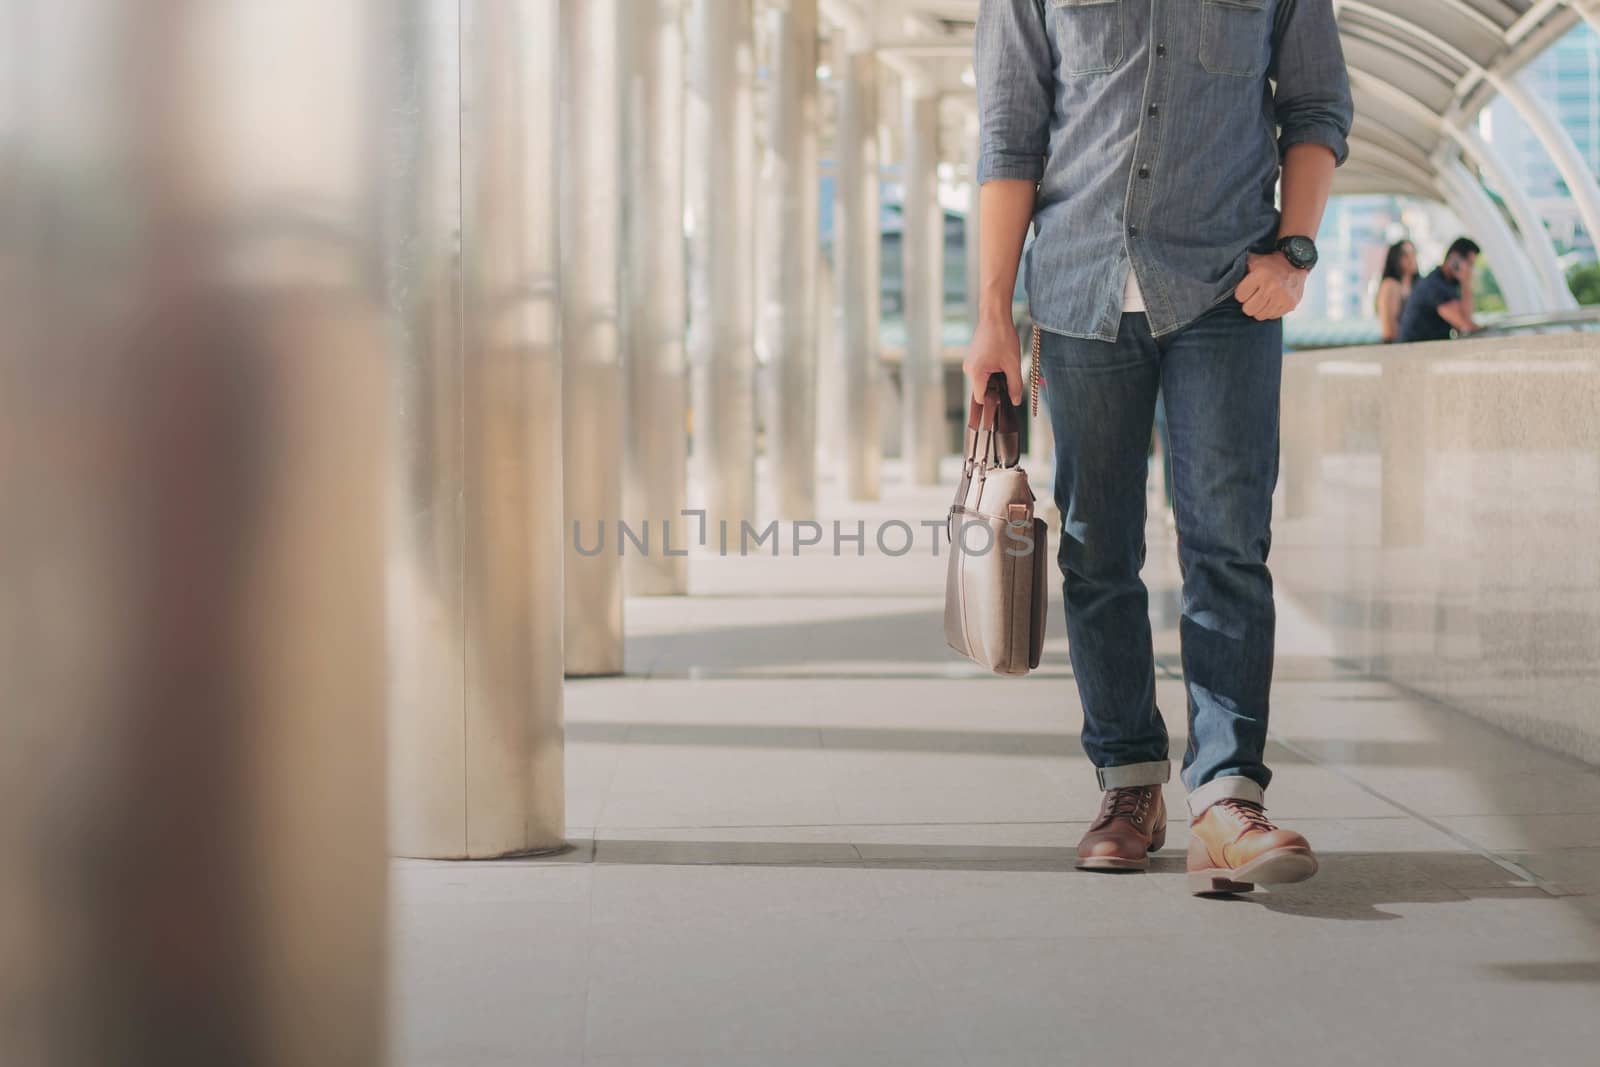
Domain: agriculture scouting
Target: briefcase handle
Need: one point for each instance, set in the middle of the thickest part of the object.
(993, 425)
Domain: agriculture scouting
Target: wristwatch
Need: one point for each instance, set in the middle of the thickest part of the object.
(1299, 250)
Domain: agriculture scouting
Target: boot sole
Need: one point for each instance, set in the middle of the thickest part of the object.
(1119, 863)
(1112, 863)
(1279, 867)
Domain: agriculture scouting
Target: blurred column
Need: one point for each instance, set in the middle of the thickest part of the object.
(788, 274)
(476, 531)
(721, 202)
(1472, 205)
(830, 374)
(591, 399)
(653, 300)
(857, 273)
(192, 391)
(922, 373)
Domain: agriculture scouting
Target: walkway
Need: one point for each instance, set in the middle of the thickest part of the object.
(808, 835)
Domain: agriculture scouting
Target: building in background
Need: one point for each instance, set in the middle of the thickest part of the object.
(1567, 76)
(1350, 246)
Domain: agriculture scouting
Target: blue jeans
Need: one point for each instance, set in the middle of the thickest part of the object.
(1219, 377)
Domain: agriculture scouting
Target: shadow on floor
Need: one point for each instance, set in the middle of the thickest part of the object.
(899, 739)
(1582, 973)
(1351, 886)
(862, 738)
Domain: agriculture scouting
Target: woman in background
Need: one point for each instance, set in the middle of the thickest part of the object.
(1399, 272)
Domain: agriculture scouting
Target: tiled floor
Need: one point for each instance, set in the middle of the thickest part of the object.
(806, 834)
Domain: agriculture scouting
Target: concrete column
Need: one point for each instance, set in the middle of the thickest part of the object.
(857, 274)
(921, 375)
(1535, 239)
(830, 375)
(1518, 283)
(654, 315)
(476, 529)
(788, 267)
(192, 393)
(1568, 161)
(721, 201)
(590, 165)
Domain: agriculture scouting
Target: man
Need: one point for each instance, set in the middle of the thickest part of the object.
(1138, 138)
(1443, 299)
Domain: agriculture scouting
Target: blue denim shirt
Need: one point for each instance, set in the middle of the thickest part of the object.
(1155, 130)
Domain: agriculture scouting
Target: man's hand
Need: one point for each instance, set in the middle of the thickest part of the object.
(995, 349)
(1271, 287)
(1455, 313)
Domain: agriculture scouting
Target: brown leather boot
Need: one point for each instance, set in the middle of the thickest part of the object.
(1132, 823)
(1233, 847)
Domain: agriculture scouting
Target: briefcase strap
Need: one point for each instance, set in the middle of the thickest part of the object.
(1034, 377)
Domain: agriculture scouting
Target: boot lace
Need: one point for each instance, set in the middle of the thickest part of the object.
(1254, 816)
(1129, 802)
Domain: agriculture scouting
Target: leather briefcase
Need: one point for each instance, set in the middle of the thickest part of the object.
(994, 607)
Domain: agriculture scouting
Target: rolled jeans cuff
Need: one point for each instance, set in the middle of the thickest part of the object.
(1153, 773)
(1235, 786)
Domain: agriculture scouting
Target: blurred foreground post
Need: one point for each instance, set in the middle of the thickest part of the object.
(191, 539)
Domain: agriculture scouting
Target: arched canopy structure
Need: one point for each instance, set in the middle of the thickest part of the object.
(1420, 71)
(1415, 66)
(1419, 66)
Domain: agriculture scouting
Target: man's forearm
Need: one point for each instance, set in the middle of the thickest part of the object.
(1307, 179)
(1458, 316)
(1004, 213)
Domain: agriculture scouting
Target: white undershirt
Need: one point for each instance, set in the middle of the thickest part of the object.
(1132, 298)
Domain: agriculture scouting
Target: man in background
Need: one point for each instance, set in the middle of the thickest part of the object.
(1443, 300)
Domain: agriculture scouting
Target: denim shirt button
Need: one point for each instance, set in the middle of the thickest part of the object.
(1161, 49)
(1153, 109)
(1133, 231)
(1144, 172)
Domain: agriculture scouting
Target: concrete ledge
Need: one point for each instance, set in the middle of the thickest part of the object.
(1441, 513)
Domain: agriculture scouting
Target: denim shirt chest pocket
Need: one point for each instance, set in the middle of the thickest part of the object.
(1235, 37)
(1089, 35)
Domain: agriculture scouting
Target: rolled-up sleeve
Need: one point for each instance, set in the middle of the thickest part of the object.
(1312, 97)
(1016, 89)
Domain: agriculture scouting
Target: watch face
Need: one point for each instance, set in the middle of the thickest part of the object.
(1300, 250)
